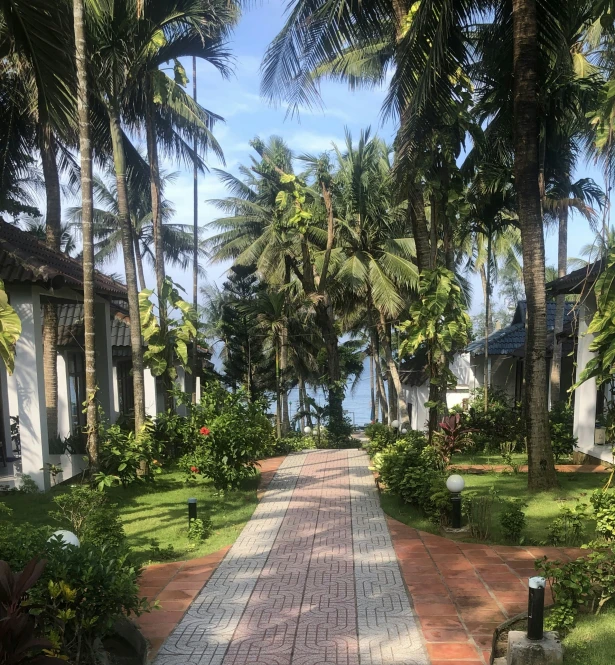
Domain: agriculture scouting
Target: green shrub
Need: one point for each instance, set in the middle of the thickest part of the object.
(604, 508)
(126, 456)
(512, 521)
(409, 471)
(568, 530)
(230, 444)
(561, 420)
(586, 583)
(90, 516)
(478, 510)
(501, 422)
(199, 529)
(293, 442)
(380, 437)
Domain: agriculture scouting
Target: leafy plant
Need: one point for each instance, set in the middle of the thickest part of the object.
(10, 330)
(498, 426)
(381, 436)
(478, 511)
(507, 449)
(178, 333)
(199, 529)
(28, 485)
(89, 515)
(603, 502)
(561, 420)
(54, 470)
(568, 530)
(512, 521)
(126, 456)
(585, 583)
(451, 438)
(21, 641)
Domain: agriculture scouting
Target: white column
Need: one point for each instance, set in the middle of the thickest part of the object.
(104, 361)
(585, 394)
(6, 412)
(28, 384)
(116, 394)
(150, 393)
(181, 382)
(63, 401)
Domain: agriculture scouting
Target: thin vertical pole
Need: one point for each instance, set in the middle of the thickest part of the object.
(195, 246)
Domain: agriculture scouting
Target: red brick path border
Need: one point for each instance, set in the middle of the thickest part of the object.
(562, 468)
(463, 591)
(175, 585)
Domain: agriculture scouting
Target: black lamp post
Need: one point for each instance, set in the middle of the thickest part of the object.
(191, 510)
(455, 485)
(536, 608)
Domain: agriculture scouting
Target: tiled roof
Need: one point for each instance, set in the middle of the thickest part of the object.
(577, 281)
(511, 339)
(23, 258)
(70, 326)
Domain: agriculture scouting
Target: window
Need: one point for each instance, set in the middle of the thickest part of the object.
(124, 387)
(76, 391)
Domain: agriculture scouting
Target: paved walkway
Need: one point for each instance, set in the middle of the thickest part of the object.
(312, 579)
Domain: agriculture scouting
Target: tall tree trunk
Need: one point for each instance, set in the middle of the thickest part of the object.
(53, 222)
(420, 230)
(156, 197)
(486, 375)
(382, 396)
(119, 160)
(278, 393)
(560, 303)
(138, 258)
(301, 401)
(372, 402)
(284, 381)
(541, 468)
(87, 214)
(195, 244)
(394, 374)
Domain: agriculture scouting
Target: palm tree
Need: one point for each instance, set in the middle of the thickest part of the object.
(87, 205)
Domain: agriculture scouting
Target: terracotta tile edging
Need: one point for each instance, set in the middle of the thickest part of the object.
(461, 591)
(177, 584)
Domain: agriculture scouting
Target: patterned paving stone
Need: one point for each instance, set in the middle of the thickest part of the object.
(312, 580)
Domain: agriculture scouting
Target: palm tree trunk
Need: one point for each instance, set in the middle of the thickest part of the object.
(372, 409)
(284, 380)
(119, 160)
(394, 374)
(156, 196)
(138, 258)
(301, 401)
(195, 244)
(87, 208)
(53, 221)
(541, 468)
(420, 231)
(382, 396)
(560, 302)
(486, 373)
(278, 393)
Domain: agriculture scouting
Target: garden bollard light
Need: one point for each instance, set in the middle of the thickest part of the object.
(536, 608)
(455, 485)
(395, 424)
(191, 510)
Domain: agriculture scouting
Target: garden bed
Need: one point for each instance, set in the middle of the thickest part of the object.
(158, 511)
(542, 507)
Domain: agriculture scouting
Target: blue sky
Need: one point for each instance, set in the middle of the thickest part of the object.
(247, 115)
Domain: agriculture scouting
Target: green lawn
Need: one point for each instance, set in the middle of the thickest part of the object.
(592, 640)
(490, 459)
(158, 510)
(541, 509)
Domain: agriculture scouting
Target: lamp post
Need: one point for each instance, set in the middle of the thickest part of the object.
(536, 608)
(191, 510)
(455, 485)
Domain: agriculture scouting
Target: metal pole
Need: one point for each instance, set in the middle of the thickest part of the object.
(536, 608)
(456, 501)
(191, 510)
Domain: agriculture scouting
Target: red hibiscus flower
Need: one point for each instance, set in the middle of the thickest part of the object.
(205, 431)
(193, 469)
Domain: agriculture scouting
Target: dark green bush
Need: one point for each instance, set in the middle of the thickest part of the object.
(291, 443)
(229, 445)
(90, 516)
(408, 471)
(500, 424)
(561, 421)
(512, 521)
(380, 437)
(604, 507)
